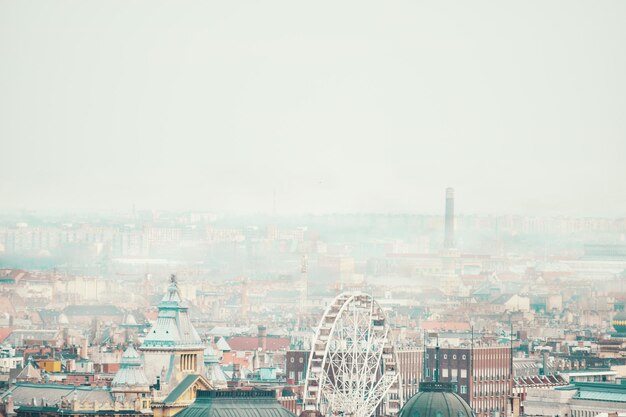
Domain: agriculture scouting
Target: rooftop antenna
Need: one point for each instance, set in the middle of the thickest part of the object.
(437, 360)
(510, 381)
(425, 358)
(472, 354)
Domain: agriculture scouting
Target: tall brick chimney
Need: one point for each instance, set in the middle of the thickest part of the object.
(262, 337)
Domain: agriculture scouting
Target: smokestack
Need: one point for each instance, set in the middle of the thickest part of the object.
(449, 236)
(262, 336)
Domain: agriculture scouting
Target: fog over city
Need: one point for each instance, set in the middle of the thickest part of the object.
(331, 106)
(312, 209)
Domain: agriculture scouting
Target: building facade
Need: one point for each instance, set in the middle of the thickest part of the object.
(410, 366)
(481, 375)
(296, 366)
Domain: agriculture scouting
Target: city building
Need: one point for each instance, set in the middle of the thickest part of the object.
(130, 382)
(296, 365)
(410, 367)
(480, 375)
(52, 400)
(172, 349)
(581, 399)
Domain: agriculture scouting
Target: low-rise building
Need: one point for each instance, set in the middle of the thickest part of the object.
(577, 400)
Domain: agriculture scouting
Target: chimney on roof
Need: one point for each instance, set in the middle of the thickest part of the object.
(236, 372)
(84, 349)
(9, 406)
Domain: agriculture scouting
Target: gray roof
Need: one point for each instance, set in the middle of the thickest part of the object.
(23, 393)
(235, 403)
(17, 337)
(29, 373)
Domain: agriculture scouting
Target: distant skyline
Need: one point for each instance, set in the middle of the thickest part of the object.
(330, 106)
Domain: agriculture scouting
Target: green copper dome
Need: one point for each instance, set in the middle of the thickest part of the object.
(435, 399)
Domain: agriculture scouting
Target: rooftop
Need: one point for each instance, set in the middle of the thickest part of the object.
(598, 391)
(24, 393)
(235, 403)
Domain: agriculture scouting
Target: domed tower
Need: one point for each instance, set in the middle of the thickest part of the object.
(172, 350)
(436, 399)
(213, 370)
(130, 381)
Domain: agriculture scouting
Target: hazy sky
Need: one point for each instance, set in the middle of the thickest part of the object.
(334, 105)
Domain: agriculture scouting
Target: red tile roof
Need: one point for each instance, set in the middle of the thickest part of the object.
(4, 333)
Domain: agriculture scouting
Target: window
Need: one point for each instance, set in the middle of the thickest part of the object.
(463, 356)
(445, 356)
(453, 356)
(444, 372)
(463, 373)
(463, 389)
(292, 360)
(300, 360)
(292, 375)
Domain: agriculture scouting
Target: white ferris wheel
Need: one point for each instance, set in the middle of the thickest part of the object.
(353, 368)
